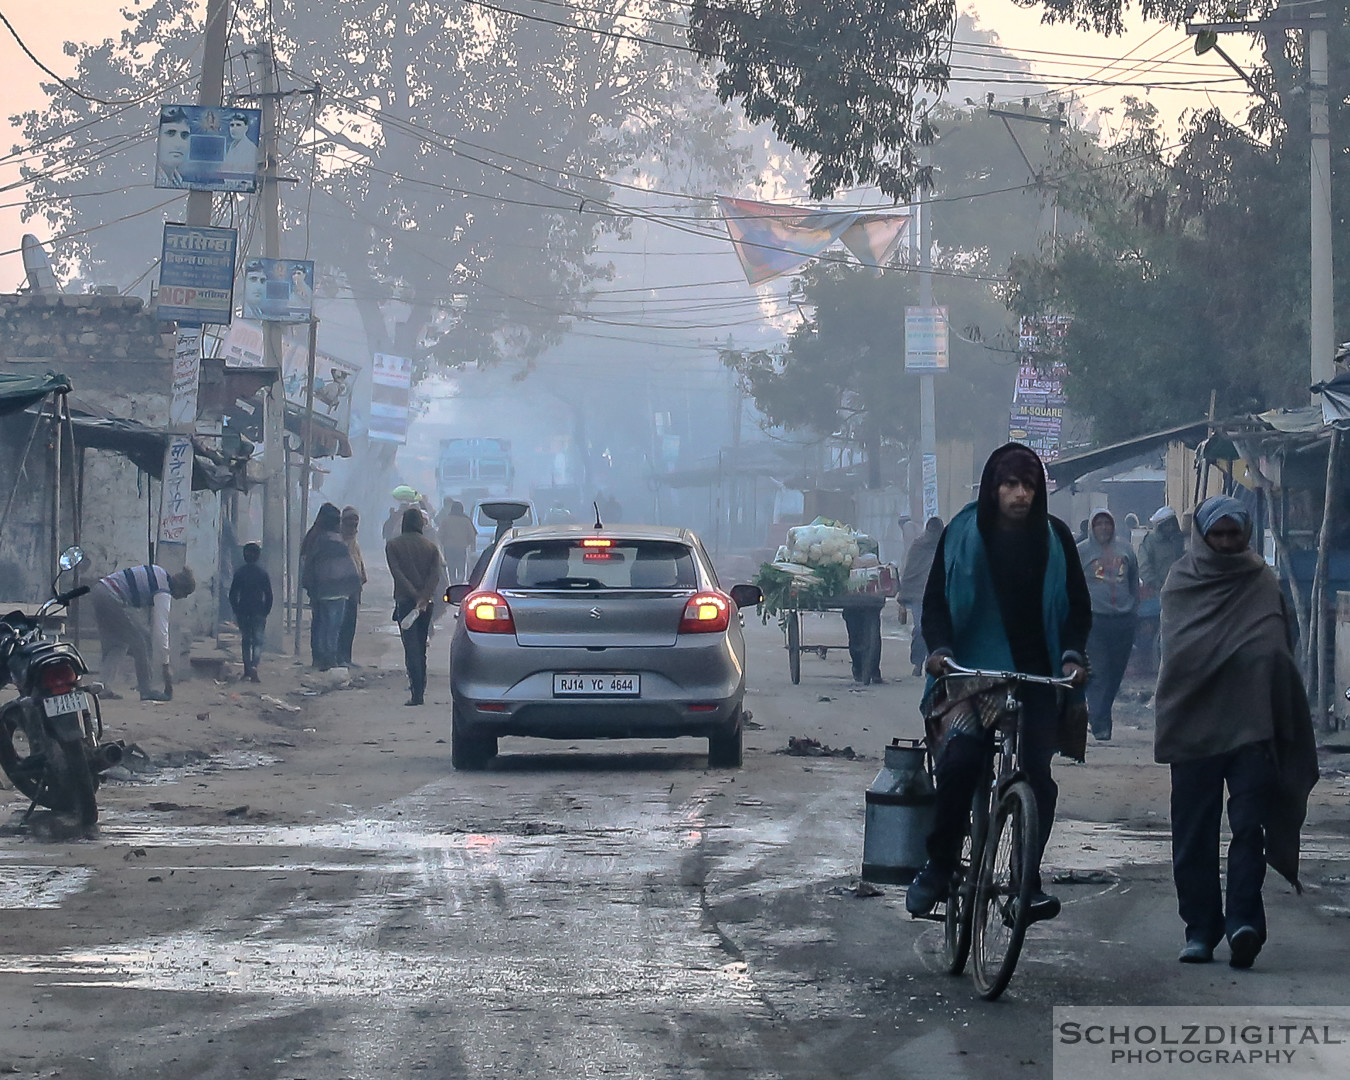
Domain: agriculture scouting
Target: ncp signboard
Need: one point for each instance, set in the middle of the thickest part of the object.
(196, 274)
(926, 340)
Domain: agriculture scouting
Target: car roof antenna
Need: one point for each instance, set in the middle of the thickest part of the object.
(598, 523)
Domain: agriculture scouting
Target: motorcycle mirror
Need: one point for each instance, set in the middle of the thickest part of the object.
(71, 558)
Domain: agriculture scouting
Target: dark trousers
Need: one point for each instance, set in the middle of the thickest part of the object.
(347, 631)
(864, 642)
(414, 647)
(966, 760)
(454, 564)
(252, 628)
(918, 649)
(1197, 805)
(324, 629)
(1109, 645)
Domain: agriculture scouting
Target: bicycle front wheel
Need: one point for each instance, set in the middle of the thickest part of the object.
(1003, 890)
(956, 928)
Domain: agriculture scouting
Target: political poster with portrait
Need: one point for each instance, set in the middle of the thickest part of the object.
(207, 148)
(390, 398)
(196, 274)
(279, 290)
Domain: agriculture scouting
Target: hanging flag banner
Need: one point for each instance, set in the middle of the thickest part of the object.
(196, 274)
(772, 240)
(926, 340)
(206, 148)
(279, 290)
(390, 398)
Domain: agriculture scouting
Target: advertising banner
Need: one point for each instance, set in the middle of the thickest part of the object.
(243, 346)
(196, 274)
(1038, 408)
(926, 340)
(206, 148)
(279, 290)
(334, 380)
(390, 398)
(1037, 418)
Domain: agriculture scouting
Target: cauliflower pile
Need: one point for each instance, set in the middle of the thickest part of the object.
(821, 545)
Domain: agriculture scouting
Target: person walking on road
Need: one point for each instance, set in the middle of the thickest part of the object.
(251, 602)
(349, 526)
(415, 563)
(1231, 711)
(393, 524)
(1006, 592)
(1163, 545)
(329, 575)
(458, 537)
(1113, 582)
(913, 579)
(131, 608)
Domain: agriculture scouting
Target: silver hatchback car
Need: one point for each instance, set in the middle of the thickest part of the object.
(577, 632)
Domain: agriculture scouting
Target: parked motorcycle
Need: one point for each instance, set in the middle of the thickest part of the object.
(50, 734)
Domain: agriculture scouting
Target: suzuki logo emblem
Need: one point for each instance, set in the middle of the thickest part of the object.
(595, 613)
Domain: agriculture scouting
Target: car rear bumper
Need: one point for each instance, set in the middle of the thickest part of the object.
(692, 688)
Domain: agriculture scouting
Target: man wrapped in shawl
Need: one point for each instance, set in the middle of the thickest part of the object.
(1006, 593)
(1231, 710)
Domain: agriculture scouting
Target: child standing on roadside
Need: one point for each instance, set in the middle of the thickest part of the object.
(251, 599)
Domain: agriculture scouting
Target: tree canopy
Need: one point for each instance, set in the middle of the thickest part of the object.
(407, 189)
(851, 83)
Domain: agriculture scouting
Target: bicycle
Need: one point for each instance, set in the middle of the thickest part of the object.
(987, 908)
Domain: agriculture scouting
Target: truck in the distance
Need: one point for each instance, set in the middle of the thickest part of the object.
(472, 469)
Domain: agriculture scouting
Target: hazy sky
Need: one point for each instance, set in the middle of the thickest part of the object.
(1055, 53)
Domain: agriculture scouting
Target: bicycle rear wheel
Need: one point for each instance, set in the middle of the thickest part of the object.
(1003, 890)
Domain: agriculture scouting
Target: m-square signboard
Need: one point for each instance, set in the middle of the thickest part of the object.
(196, 274)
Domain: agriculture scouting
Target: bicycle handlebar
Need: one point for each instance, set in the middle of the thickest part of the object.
(1064, 682)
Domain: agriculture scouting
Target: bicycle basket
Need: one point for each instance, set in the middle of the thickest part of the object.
(962, 704)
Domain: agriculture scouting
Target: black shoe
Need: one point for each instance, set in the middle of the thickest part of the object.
(152, 695)
(110, 695)
(928, 887)
(1244, 945)
(1196, 952)
(1043, 906)
(413, 701)
(1102, 737)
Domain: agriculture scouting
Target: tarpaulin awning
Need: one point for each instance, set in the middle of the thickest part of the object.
(1069, 468)
(18, 392)
(1335, 400)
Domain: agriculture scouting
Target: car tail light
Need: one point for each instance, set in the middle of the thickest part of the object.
(488, 613)
(706, 613)
(58, 678)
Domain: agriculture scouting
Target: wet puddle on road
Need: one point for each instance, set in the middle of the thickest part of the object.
(176, 772)
(27, 887)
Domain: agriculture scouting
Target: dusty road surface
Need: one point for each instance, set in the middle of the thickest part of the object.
(303, 887)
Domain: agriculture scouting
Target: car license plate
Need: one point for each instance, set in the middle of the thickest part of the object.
(65, 703)
(602, 684)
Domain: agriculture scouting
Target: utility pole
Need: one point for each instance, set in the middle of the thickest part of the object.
(172, 542)
(1314, 25)
(274, 556)
(927, 391)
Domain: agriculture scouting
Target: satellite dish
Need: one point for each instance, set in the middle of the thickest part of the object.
(41, 277)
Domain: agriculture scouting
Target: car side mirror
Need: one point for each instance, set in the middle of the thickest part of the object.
(746, 595)
(456, 594)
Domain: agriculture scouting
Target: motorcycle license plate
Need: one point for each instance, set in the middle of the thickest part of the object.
(596, 684)
(65, 703)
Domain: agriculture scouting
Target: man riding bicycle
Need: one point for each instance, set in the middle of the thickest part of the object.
(1006, 592)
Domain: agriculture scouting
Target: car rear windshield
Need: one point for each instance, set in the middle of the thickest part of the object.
(597, 563)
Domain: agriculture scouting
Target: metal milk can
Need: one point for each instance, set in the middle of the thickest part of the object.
(899, 815)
